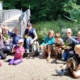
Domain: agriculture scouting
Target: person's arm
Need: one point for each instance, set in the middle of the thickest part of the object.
(35, 34)
(62, 42)
(10, 33)
(74, 40)
(24, 33)
(22, 53)
(13, 50)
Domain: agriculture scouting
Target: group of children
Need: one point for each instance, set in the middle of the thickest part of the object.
(12, 42)
(68, 49)
(9, 46)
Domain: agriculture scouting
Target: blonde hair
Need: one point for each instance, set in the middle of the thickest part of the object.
(77, 47)
(78, 33)
(51, 32)
(16, 29)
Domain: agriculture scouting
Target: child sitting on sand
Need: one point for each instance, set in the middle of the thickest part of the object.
(15, 37)
(19, 51)
(47, 44)
(58, 45)
(73, 64)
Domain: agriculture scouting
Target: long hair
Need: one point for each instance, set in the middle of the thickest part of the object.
(51, 32)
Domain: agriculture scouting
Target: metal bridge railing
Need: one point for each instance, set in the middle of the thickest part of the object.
(24, 19)
(7, 14)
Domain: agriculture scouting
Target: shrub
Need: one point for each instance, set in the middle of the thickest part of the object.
(42, 28)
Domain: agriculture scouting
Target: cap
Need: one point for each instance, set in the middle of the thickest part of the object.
(69, 30)
(20, 40)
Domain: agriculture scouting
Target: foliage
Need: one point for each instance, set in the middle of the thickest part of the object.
(41, 10)
(46, 10)
(72, 9)
(42, 28)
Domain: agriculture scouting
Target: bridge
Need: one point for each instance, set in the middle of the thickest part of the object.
(14, 18)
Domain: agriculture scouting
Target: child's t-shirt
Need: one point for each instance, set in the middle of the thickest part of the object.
(59, 42)
(18, 52)
(48, 41)
(15, 37)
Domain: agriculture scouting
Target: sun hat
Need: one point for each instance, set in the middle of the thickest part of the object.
(20, 40)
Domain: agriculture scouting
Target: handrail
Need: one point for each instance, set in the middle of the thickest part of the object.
(7, 14)
(24, 19)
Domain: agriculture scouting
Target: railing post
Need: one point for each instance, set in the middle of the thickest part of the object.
(23, 21)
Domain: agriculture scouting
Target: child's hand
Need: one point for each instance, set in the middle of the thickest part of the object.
(13, 50)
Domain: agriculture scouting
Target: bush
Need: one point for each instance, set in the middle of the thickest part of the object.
(42, 28)
(72, 10)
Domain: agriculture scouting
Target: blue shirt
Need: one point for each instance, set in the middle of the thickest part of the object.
(48, 41)
(30, 33)
(15, 37)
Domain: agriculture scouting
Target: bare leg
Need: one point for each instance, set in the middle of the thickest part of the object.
(45, 51)
(49, 52)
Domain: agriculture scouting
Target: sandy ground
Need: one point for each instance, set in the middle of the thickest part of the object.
(32, 69)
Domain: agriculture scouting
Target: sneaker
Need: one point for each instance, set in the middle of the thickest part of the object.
(60, 72)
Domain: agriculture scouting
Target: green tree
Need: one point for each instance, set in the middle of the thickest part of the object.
(72, 10)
